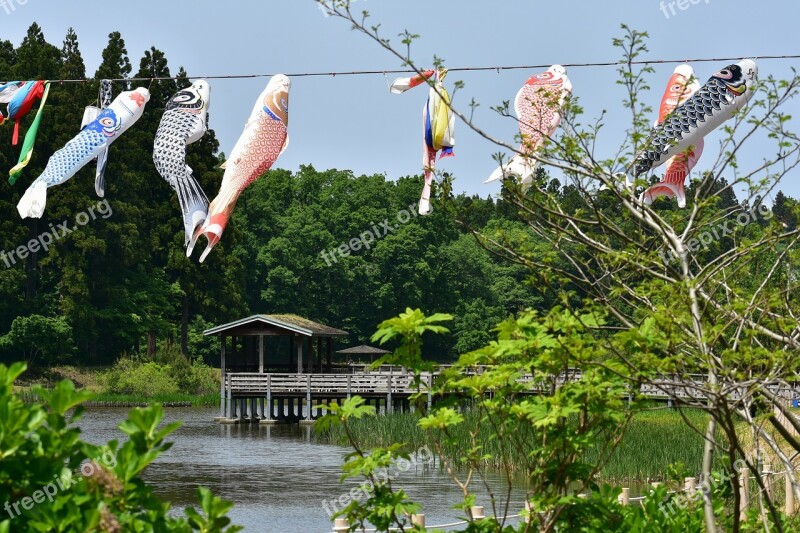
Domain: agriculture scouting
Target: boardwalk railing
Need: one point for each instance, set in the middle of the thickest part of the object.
(336, 384)
(398, 380)
(387, 384)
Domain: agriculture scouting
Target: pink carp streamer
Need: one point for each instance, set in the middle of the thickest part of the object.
(264, 139)
(538, 107)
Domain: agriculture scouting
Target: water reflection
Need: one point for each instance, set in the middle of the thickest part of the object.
(277, 476)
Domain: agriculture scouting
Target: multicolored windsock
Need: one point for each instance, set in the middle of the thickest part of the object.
(264, 139)
(438, 126)
(401, 85)
(22, 102)
(682, 85)
(7, 92)
(538, 107)
(185, 121)
(123, 113)
(30, 140)
(727, 92)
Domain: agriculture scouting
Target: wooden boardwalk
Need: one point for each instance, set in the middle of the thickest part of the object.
(296, 397)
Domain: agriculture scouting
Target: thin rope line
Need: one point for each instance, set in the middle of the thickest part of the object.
(456, 69)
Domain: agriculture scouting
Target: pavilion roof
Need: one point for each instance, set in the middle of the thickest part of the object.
(276, 325)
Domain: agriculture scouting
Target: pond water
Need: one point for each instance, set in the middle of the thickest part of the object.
(279, 478)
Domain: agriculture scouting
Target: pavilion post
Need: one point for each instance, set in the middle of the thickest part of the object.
(269, 397)
(223, 411)
(300, 342)
(234, 357)
(261, 354)
(308, 397)
(330, 355)
(389, 407)
(319, 355)
(291, 355)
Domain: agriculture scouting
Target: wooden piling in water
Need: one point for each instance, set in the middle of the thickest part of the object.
(476, 512)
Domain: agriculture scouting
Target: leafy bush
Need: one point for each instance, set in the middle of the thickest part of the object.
(50, 480)
(142, 378)
(201, 379)
(134, 375)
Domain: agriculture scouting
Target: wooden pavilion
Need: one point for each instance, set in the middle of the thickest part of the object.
(279, 368)
(242, 345)
(297, 346)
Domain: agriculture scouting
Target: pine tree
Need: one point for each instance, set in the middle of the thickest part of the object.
(116, 64)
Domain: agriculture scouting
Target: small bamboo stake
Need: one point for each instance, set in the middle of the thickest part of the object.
(766, 475)
(625, 497)
(789, 509)
(341, 525)
(418, 520)
(744, 493)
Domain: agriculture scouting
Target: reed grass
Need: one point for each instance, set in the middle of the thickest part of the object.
(654, 441)
(206, 400)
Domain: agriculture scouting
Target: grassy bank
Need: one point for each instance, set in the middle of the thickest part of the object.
(133, 381)
(654, 441)
(111, 399)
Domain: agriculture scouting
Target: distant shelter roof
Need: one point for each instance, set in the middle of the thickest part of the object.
(364, 350)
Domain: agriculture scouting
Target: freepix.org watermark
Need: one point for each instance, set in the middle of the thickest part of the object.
(672, 8)
(55, 233)
(719, 231)
(61, 483)
(423, 456)
(9, 6)
(368, 238)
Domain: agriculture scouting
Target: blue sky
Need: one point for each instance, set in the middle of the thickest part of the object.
(355, 123)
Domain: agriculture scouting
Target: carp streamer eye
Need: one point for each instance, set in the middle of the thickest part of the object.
(725, 74)
(677, 88)
(183, 98)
